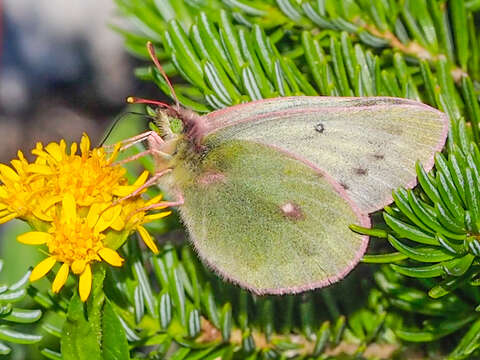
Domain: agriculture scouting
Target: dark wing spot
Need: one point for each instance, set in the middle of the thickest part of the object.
(292, 211)
(211, 177)
(345, 186)
(360, 171)
(379, 156)
(319, 128)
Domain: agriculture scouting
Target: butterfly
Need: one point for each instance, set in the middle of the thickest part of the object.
(267, 189)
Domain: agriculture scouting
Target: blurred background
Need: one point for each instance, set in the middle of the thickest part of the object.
(63, 71)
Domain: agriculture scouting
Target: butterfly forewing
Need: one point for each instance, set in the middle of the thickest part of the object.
(369, 145)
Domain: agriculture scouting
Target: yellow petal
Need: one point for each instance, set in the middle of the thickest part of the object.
(55, 151)
(63, 146)
(147, 239)
(7, 218)
(73, 148)
(141, 179)
(85, 144)
(124, 190)
(118, 224)
(158, 206)
(156, 216)
(85, 283)
(94, 213)
(69, 209)
(21, 156)
(34, 238)
(78, 266)
(42, 268)
(9, 173)
(154, 200)
(107, 218)
(111, 256)
(39, 169)
(42, 216)
(61, 278)
(48, 202)
(115, 152)
(3, 192)
(18, 165)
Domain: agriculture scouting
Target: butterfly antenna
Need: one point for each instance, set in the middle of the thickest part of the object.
(153, 56)
(116, 121)
(137, 100)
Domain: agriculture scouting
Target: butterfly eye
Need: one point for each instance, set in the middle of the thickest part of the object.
(176, 125)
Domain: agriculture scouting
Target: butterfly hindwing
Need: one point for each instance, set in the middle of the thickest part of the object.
(263, 219)
(368, 145)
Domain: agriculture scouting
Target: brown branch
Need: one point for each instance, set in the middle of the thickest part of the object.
(209, 333)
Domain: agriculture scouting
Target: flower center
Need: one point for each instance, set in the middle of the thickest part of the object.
(73, 241)
(96, 181)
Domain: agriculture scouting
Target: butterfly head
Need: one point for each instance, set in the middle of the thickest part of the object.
(174, 121)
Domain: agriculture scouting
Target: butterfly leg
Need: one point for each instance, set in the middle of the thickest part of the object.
(159, 205)
(147, 184)
(131, 141)
(163, 204)
(151, 136)
(161, 154)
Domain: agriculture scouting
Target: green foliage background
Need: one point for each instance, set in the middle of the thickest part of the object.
(423, 299)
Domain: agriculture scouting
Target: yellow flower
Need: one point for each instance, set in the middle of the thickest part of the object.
(135, 215)
(95, 180)
(30, 190)
(78, 207)
(21, 192)
(76, 242)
